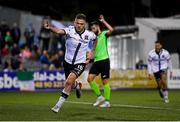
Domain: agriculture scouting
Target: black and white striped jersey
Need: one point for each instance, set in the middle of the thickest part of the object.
(159, 61)
(77, 45)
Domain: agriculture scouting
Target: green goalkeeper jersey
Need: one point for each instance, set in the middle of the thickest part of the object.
(101, 50)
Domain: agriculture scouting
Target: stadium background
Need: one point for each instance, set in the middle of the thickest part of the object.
(137, 23)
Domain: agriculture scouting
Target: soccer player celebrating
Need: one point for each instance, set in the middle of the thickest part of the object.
(77, 40)
(101, 63)
(159, 61)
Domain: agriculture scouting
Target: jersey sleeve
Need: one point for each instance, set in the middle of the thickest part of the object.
(93, 37)
(149, 64)
(67, 30)
(105, 33)
(169, 62)
(90, 45)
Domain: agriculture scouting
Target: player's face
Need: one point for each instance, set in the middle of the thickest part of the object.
(94, 28)
(158, 47)
(79, 24)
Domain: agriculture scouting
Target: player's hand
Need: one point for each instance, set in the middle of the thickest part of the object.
(87, 61)
(150, 76)
(89, 56)
(101, 18)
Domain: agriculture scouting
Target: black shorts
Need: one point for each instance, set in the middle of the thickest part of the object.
(102, 67)
(158, 74)
(77, 69)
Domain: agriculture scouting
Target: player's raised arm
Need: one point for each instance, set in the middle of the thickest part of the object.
(109, 27)
(54, 29)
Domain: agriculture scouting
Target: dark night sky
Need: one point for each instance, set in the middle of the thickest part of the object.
(119, 12)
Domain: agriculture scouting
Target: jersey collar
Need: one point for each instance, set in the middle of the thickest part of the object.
(80, 33)
(159, 51)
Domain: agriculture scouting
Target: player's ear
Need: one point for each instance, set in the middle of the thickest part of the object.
(75, 21)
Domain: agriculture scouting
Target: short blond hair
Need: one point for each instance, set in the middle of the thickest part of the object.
(81, 16)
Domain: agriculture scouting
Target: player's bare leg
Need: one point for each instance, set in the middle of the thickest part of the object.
(160, 88)
(165, 89)
(77, 86)
(65, 93)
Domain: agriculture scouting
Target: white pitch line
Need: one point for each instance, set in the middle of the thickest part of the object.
(127, 106)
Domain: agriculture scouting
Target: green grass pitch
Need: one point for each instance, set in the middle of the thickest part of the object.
(126, 105)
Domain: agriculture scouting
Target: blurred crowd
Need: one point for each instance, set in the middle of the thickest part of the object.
(29, 50)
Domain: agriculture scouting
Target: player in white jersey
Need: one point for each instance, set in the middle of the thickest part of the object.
(159, 61)
(77, 40)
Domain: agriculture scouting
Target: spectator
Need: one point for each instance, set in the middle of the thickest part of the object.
(25, 53)
(15, 63)
(45, 59)
(45, 36)
(5, 50)
(15, 50)
(0, 59)
(54, 43)
(56, 63)
(4, 28)
(1, 40)
(29, 35)
(8, 39)
(21, 67)
(61, 58)
(61, 43)
(16, 33)
(7, 66)
(36, 53)
(36, 42)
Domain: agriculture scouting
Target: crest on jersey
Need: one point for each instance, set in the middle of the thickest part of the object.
(86, 37)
